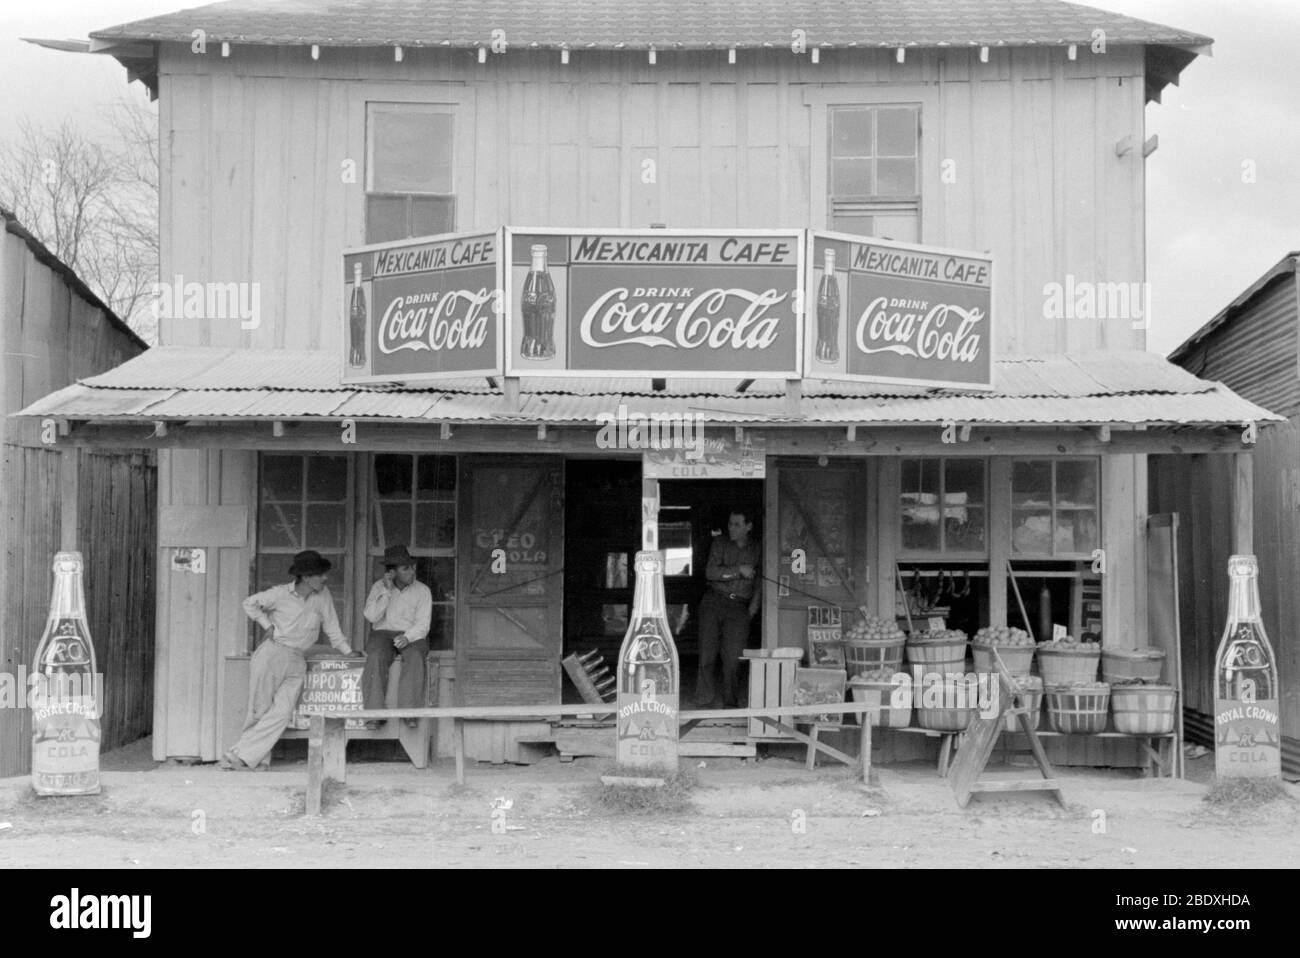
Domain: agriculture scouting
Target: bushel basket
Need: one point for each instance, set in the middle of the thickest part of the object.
(1067, 666)
(1143, 709)
(1118, 666)
(1077, 711)
(868, 655)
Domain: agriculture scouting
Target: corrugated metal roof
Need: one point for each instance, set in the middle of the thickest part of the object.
(690, 24)
(1123, 388)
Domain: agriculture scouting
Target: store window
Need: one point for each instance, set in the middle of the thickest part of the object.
(943, 507)
(409, 171)
(1054, 507)
(303, 504)
(413, 503)
(874, 176)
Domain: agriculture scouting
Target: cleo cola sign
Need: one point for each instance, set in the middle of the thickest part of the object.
(653, 302)
(889, 312)
(422, 309)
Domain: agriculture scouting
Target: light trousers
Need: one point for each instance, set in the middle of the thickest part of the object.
(274, 683)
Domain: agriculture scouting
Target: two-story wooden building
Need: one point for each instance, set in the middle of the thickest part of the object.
(1013, 128)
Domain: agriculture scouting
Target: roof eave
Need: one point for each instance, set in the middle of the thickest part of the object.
(1287, 266)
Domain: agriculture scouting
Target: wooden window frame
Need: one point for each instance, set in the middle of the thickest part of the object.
(942, 554)
(381, 104)
(1053, 508)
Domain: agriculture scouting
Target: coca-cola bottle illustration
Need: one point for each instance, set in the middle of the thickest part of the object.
(828, 312)
(1248, 732)
(648, 675)
(538, 307)
(357, 320)
(66, 698)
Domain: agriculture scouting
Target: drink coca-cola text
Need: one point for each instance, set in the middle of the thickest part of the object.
(920, 329)
(457, 319)
(685, 324)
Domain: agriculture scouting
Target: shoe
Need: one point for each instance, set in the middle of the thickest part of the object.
(230, 762)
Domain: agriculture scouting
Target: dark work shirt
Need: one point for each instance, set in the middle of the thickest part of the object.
(722, 571)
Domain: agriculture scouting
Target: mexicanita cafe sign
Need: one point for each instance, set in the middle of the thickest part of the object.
(667, 303)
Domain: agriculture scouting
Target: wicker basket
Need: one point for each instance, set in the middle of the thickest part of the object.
(937, 655)
(889, 716)
(1017, 658)
(1031, 691)
(1143, 709)
(1074, 711)
(867, 655)
(1067, 666)
(1117, 666)
(944, 719)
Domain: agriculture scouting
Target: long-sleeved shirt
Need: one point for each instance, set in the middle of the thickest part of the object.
(296, 622)
(409, 610)
(723, 569)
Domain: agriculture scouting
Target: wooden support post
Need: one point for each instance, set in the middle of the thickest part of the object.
(1243, 505)
(793, 397)
(511, 386)
(69, 483)
(458, 733)
(334, 750)
(999, 537)
(315, 764)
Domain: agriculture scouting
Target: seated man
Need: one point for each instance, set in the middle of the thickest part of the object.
(399, 610)
(293, 615)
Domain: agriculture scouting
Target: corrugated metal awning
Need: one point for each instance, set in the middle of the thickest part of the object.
(212, 383)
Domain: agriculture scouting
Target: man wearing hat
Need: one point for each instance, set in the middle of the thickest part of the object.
(293, 615)
(399, 610)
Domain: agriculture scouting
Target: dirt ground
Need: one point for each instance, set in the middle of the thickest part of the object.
(754, 814)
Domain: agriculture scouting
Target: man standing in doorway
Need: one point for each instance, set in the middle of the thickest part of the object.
(399, 610)
(293, 615)
(729, 604)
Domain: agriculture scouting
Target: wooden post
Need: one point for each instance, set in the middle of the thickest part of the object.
(69, 464)
(1243, 505)
(999, 537)
(458, 733)
(334, 750)
(315, 764)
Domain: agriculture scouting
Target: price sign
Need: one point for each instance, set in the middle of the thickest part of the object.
(935, 623)
(1059, 633)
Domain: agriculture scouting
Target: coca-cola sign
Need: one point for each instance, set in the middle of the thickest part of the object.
(898, 313)
(422, 309)
(653, 302)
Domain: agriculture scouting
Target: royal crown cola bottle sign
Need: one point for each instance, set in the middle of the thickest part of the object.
(1247, 730)
(67, 692)
(648, 676)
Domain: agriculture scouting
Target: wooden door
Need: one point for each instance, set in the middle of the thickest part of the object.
(509, 580)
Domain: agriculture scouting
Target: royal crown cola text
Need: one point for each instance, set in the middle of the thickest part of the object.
(648, 676)
(357, 320)
(537, 304)
(66, 698)
(828, 312)
(1247, 729)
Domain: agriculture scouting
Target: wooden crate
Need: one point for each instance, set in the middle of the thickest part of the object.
(771, 682)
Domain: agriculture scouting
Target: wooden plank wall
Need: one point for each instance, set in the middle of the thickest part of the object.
(1030, 135)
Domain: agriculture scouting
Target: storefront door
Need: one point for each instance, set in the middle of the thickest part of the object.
(510, 580)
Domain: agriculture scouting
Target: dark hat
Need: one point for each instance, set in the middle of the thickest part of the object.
(309, 562)
(397, 555)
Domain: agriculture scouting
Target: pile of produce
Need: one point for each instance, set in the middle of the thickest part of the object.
(872, 628)
(1081, 687)
(1003, 637)
(883, 676)
(1069, 645)
(940, 635)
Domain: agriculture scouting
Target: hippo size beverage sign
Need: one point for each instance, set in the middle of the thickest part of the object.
(880, 311)
(422, 309)
(653, 302)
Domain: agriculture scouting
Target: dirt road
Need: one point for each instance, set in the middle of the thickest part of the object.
(765, 814)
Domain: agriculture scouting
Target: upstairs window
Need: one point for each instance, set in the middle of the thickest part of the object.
(874, 175)
(409, 189)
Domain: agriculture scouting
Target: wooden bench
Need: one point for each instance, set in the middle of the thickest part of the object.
(327, 738)
(1160, 759)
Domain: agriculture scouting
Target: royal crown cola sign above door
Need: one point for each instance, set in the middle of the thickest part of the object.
(880, 311)
(422, 309)
(656, 303)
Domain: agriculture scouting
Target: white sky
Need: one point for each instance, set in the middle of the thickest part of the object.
(1209, 235)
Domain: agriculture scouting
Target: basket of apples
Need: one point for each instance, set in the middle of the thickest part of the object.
(873, 643)
(883, 681)
(943, 650)
(1065, 661)
(1078, 708)
(1015, 648)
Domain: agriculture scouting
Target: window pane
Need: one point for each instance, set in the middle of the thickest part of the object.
(393, 476)
(964, 530)
(386, 219)
(441, 577)
(899, 227)
(394, 527)
(856, 224)
(431, 215)
(964, 481)
(327, 478)
(437, 477)
(851, 178)
(435, 525)
(896, 132)
(920, 504)
(442, 627)
(326, 527)
(615, 570)
(1031, 484)
(896, 178)
(280, 526)
(1076, 483)
(1031, 531)
(282, 478)
(850, 133)
(1076, 530)
(411, 152)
